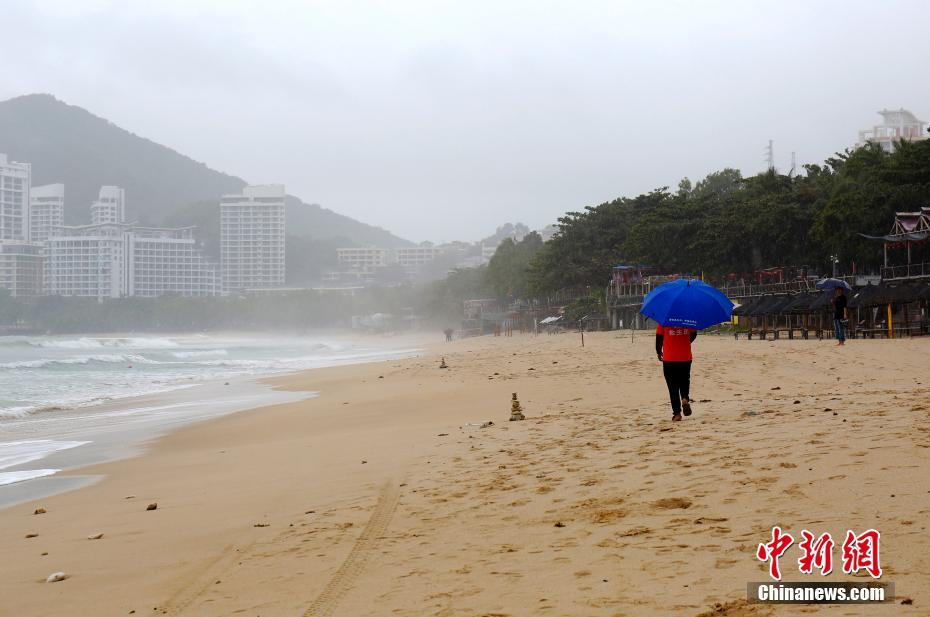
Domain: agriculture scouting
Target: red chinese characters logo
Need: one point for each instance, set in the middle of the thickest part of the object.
(817, 553)
(860, 552)
(772, 551)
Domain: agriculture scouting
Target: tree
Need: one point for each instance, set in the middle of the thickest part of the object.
(508, 270)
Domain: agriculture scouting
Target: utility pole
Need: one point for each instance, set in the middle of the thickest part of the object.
(770, 156)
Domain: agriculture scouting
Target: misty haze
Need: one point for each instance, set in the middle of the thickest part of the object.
(489, 308)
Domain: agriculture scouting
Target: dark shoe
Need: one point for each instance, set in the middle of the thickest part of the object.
(676, 417)
(686, 407)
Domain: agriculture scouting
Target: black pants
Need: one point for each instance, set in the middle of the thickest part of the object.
(678, 380)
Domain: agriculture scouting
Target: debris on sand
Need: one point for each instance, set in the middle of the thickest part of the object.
(55, 577)
(95, 536)
(32, 535)
(40, 511)
(151, 506)
(443, 364)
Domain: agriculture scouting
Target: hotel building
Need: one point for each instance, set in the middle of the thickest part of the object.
(113, 260)
(15, 180)
(252, 238)
(412, 258)
(46, 210)
(87, 261)
(363, 259)
(110, 206)
(21, 268)
(168, 261)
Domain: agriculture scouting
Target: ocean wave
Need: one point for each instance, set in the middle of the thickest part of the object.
(12, 477)
(99, 358)
(104, 343)
(207, 353)
(13, 453)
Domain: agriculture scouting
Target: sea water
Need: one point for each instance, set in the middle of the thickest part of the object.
(60, 395)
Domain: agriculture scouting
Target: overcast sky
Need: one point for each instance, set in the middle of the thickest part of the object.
(441, 120)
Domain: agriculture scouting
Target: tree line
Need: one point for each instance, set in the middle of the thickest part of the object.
(727, 224)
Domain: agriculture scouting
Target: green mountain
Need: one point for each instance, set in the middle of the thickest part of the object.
(68, 144)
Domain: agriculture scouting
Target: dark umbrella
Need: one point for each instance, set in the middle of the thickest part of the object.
(833, 284)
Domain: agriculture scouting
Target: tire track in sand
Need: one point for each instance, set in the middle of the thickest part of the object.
(343, 579)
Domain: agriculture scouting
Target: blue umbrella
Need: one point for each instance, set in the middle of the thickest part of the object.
(833, 284)
(687, 303)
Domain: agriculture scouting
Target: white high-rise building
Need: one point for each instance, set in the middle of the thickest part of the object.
(46, 210)
(15, 180)
(252, 238)
(110, 206)
(87, 261)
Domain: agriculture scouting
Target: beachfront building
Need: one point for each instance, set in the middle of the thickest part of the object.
(896, 125)
(113, 260)
(46, 210)
(165, 261)
(15, 181)
(21, 268)
(110, 206)
(252, 238)
(87, 261)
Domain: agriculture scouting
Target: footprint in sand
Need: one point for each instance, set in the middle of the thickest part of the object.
(671, 503)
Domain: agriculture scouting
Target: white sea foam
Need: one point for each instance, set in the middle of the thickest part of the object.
(102, 358)
(206, 353)
(101, 343)
(11, 477)
(14, 453)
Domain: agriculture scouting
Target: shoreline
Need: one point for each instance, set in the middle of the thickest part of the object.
(383, 496)
(54, 446)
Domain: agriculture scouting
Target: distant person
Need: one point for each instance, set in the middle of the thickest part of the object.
(673, 346)
(840, 315)
(448, 332)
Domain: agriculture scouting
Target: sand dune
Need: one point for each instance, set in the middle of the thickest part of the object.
(384, 496)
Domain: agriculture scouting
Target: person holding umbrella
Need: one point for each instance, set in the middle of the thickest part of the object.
(673, 346)
(840, 311)
(681, 308)
(840, 315)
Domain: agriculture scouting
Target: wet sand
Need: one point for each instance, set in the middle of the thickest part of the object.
(384, 496)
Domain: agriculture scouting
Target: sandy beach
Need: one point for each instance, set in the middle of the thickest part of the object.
(385, 496)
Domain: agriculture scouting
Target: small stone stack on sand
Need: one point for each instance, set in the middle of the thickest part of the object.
(516, 412)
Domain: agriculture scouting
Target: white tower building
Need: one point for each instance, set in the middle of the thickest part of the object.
(252, 238)
(110, 206)
(46, 210)
(15, 180)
